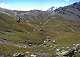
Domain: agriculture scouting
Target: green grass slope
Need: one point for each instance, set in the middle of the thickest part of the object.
(65, 32)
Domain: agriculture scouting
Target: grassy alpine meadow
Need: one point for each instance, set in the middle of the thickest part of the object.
(32, 36)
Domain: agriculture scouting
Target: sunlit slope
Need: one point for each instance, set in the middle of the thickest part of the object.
(56, 28)
(65, 32)
(17, 32)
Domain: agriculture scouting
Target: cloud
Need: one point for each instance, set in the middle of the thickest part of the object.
(71, 1)
(3, 4)
(1, 1)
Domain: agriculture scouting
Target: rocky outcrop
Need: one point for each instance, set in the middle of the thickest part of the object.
(31, 54)
(71, 12)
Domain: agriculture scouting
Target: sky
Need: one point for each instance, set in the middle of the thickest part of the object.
(26, 5)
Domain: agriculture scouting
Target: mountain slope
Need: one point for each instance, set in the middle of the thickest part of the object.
(71, 12)
(36, 27)
(24, 31)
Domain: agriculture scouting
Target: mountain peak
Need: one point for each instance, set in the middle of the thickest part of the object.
(70, 12)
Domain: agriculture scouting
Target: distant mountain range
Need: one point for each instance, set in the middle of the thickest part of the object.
(71, 12)
(39, 31)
